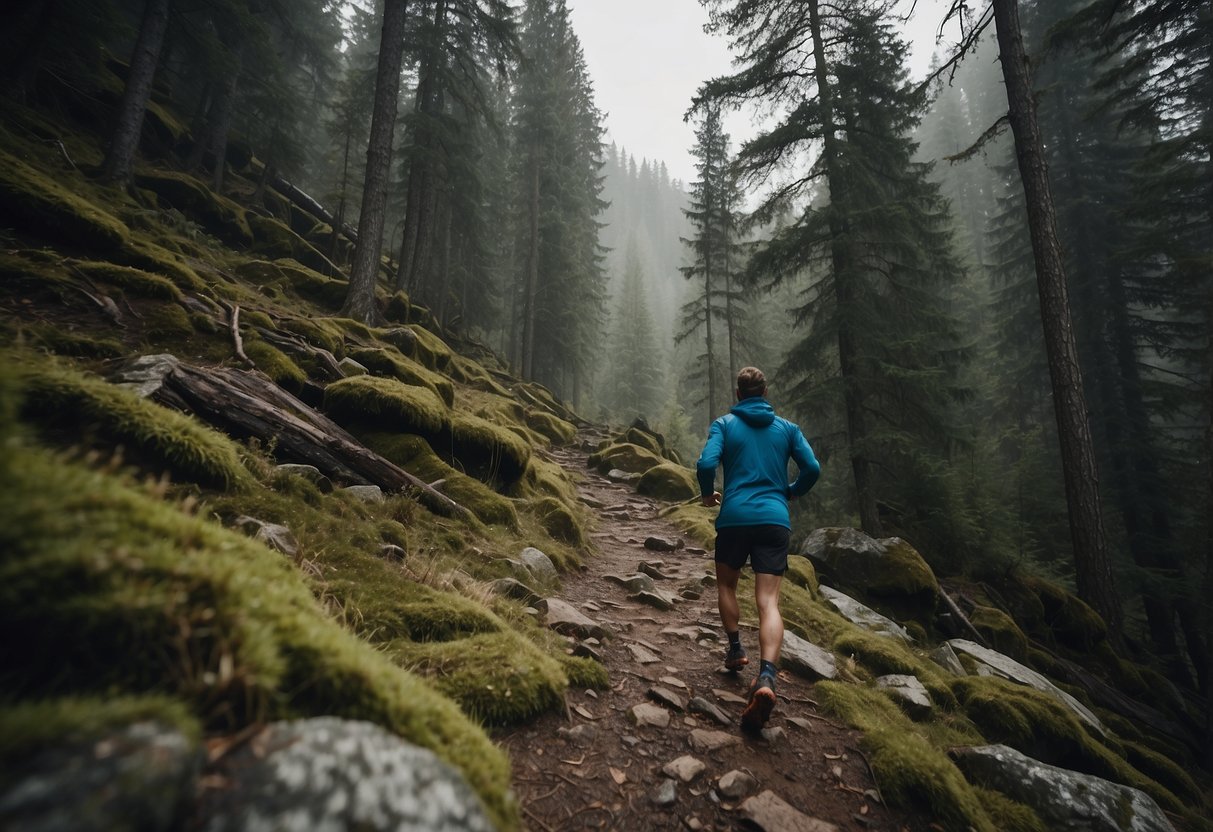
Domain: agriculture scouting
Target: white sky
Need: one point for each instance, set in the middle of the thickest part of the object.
(648, 57)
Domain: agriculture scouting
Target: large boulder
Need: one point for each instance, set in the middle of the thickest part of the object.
(330, 773)
(668, 481)
(887, 574)
(1062, 799)
(624, 456)
(861, 615)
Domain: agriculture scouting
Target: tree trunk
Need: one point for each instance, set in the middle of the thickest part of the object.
(125, 139)
(444, 264)
(360, 299)
(1093, 570)
(34, 26)
(532, 275)
(840, 261)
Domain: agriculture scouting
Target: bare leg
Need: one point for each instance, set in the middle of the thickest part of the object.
(770, 623)
(726, 596)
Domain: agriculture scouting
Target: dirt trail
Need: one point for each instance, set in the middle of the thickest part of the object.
(594, 768)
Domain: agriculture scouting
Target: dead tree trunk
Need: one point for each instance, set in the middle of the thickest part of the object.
(125, 138)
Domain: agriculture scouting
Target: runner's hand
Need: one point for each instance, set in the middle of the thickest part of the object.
(713, 500)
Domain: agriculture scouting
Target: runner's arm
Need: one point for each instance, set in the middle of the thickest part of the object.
(810, 468)
(705, 468)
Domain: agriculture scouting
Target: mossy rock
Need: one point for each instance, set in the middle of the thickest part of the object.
(494, 452)
(535, 393)
(150, 256)
(1067, 619)
(559, 521)
(317, 333)
(645, 439)
(280, 241)
(44, 206)
(1044, 729)
(626, 457)
(116, 592)
(218, 214)
(386, 404)
(276, 364)
(416, 456)
(557, 430)
(66, 343)
(801, 572)
(499, 678)
(668, 482)
(389, 362)
(545, 479)
(693, 520)
(134, 281)
(431, 350)
(166, 322)
(1000, 632)
(888, 575)
(153, 436)
(311, 285)
(584, 673)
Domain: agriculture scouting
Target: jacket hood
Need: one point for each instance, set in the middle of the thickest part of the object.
(756, 411)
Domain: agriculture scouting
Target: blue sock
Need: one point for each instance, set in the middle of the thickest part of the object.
(768, 669)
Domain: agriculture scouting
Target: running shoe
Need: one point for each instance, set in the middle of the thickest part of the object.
(762, 702)
(735, 657)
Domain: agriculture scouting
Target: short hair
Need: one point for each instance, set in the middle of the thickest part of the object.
(751, 382)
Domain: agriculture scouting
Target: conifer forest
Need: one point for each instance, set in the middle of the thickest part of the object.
(406, 243)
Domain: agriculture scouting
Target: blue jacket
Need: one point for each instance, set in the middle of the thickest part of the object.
(754, 445)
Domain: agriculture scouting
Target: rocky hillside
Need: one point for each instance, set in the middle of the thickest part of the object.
(264, 561)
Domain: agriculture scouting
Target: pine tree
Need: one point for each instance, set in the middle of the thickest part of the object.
(636, 379)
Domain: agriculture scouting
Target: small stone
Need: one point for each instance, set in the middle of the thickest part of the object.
(617, 475)
(727, 696)
(695, 550)
(806, 659)
(736, 784)
(272, 535)
(774, 735)
(673, 682)
(691, 594)
(653, 571)
(693, 823)
(366, 493)
(686, 768)
(699, 705)
(633, 583)
(308, 472)
(667, 697)
(539, 564)
(654, 599)
(648, 714)
(909, 693)
(580, 735)
(592, 502)
(703, 740)
(665, 794)
(566, 619)
(391, 551)
(946, 657)
(629, 740)
(642, 654)
(771, 813)
(590, 692)
(516, 589)
(663, 544)
(689, 632)
(801, 722)
(349, 367)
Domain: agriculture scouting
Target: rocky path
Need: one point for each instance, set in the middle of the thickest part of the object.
(662, 748)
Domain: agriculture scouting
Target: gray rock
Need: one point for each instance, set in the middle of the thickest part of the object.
(690, 594)
(946, 657)
(331, 775)
(592, 502)
(618, 475)
(642, 654)
(366, 493)
(140, 777)
(588, 651)
(646, 713)
(736, 784)
(308, 472)
(582, 735)
(566, 619)
(1062, 799)
(691, 632)
(699, 705)
(801, 723)
(145, 374)
(654, 599)
(1008, 668)
(686, 768)
(665, 794)
(887, 573)
(695, 550)
(806, 659)
(667, 697)
(516, 589)
(633, 583)
(703, 740)
(653, 570)
(278, 538)
(774, 735)
(673, 682)
(539, 564)
(909, 692)
(771, 813)
(392, 552)
(663, 544)
(862, 615)
(729, 696)
(349, 367)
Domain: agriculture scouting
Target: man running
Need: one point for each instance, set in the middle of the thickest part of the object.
(754, 445)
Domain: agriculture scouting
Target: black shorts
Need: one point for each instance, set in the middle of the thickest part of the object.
(766, 547)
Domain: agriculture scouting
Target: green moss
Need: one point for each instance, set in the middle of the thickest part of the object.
(386, 404)
(43, 205)
(545, 479)
(414, 454)
(1067, 618)
(389, 362)
(559, 521)
(491, 450)
(431, 350)
(693, 520)
(625, 457)
(1012, 815)
(1000, 631)
(149, 256)
(118, 592)
(275, 364)
(669, 482)
(801, 573)
(1164, 771)
(312, 285)
(319, 333)
(70, 343)
(218, 214)
(135, 281)
(1046, 730)
(644, 439)
(155, 436)
(166, 322)
(557, 430)
(499, 678)
(467, 371)
(584, 673)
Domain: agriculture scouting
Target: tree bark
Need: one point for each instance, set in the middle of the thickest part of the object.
(360, 299)
(1093, 570)
(532, 275)
(125, 139)
(840, 261)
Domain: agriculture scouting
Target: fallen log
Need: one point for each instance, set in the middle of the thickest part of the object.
(962, 618)
(309, 204)
(244, 404)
